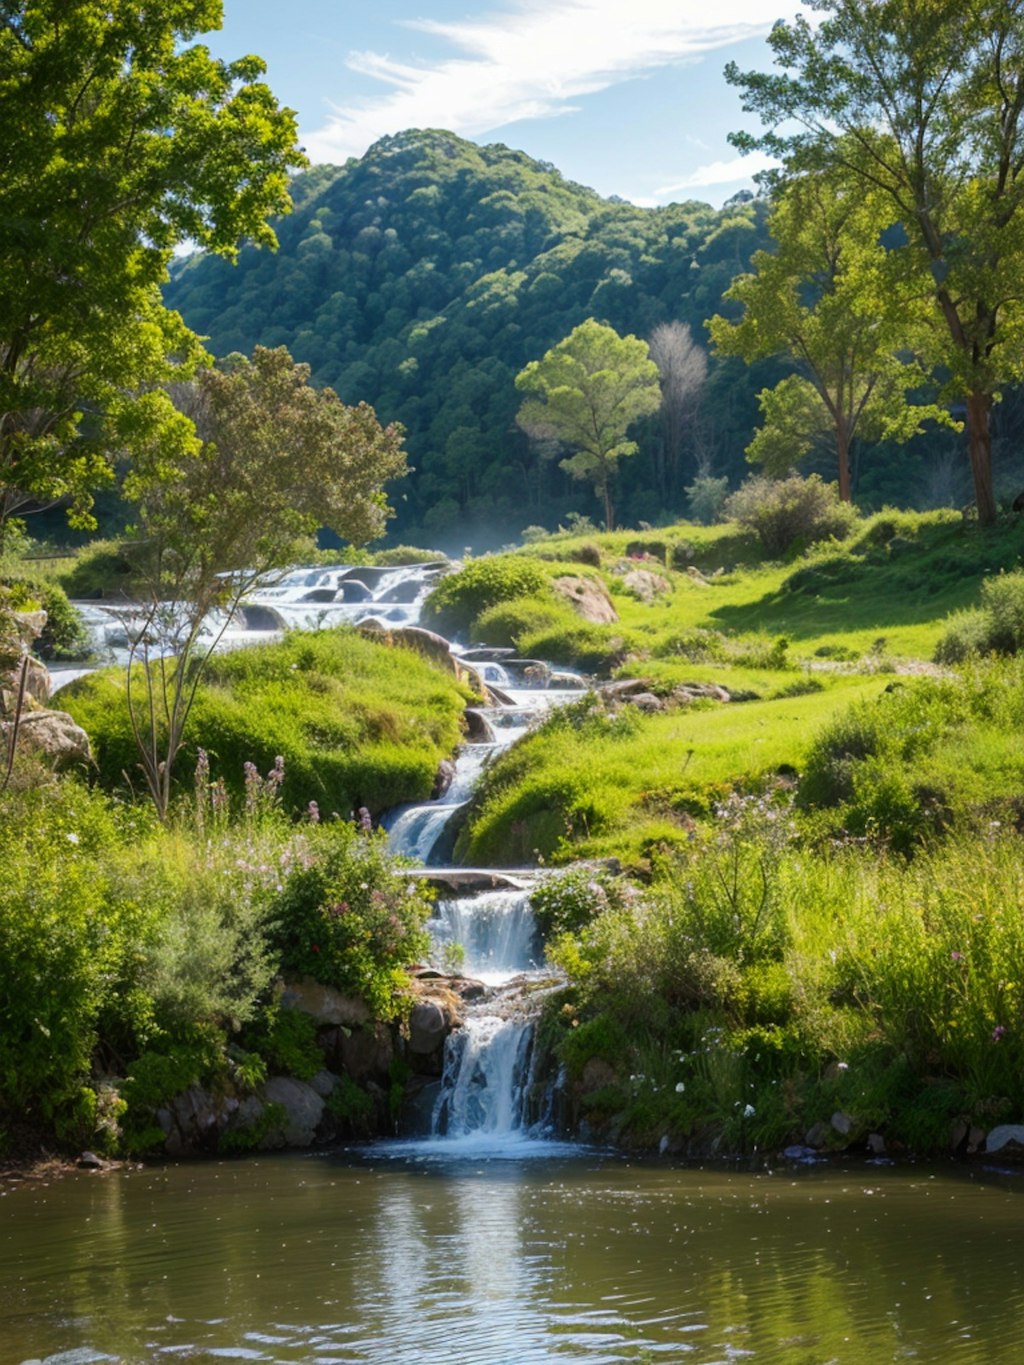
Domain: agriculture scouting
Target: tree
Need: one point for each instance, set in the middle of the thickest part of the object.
(586, 393)
(275, 460)
(120, 144)
(923, 103)
(823, 298)
(683, 367)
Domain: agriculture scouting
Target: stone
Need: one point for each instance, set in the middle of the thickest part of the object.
(443, 778)
(817, 1136)
(876, 1144)
(89, 1161)
(695, 574)
(324, 1003)
(965, 1136)
(428, 1027)
(1006, 1136)
(842, 1123)
(588, 598)
(323, 1082)
(364, 1053)
(303, 1107)
(646, 701)
(430, 645)
(55, 738)
(645, 584)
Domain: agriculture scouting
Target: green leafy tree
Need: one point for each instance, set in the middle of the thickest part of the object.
(585, 394)
(274, 459)
(820, 298)
(922, 103)
(121, 142)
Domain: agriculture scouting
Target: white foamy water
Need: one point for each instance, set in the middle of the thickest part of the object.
(496, 929)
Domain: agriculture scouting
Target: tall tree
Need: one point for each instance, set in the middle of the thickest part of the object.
(121, 142)
(277, 459)
(921, 100)
(683, 367)
(824, 298)
(585, 394)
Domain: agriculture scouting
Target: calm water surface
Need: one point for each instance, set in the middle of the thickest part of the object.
(350, 1258)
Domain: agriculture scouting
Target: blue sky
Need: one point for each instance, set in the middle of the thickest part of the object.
(626, 96)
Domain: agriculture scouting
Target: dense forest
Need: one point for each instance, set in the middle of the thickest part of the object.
(423, 276)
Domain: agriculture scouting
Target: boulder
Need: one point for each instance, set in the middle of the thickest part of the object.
(645, 584)
(364, 1054)
(55, 738)
(646, 701)
(37, 683)
(193, 1119)
(588, 598)
(303, 1108)
(324, 1082)
(428, 1027)
(443, 778)
(1007, 1138)
(324, 1003)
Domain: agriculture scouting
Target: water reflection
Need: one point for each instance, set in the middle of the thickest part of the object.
(492, 1263)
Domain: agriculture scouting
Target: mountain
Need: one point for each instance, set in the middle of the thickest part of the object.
(424, 275)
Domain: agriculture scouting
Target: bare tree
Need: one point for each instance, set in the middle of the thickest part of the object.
(683, 367)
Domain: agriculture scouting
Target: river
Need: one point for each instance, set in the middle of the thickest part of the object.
(358, 1257)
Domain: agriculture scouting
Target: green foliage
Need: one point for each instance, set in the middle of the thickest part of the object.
(584, 395)
(286, 1039)
(64, 635)
(357, 723)
(346, 918)
(103, 567)
(705, 498)
(459, 598)
(565, 901)
(352, 1105)
(426, 274)
(507, 623)
(790, 513)
(174, 146)
(997, 627)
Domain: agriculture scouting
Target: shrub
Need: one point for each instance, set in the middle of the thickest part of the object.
(706, 498)
(966, 636)
(997, 627)
(102, 569)
(786, 514)
(346, 917)
(507, 623)
(566, 901)
(400, 555)
(460, 598)
(64, 636)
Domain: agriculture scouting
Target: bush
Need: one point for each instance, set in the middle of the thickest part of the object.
(706, 498)
(105, 568)
(459, 598)
(507, 623)
(64, 636)
(787, 514)
(566, 902)
(348, 919)
(400, 555)
(997, 627)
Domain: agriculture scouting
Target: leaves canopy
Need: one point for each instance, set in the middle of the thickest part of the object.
(923, 101)
(825, 298)
(121, 142)
(586, 393)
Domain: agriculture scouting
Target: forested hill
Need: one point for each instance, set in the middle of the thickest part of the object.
(423, 276)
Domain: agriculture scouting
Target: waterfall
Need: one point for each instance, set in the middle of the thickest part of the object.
(496, 930)
(486, 1078)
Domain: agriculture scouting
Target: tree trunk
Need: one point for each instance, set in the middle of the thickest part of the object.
(843, 454)
(609, 514)
(979, 448)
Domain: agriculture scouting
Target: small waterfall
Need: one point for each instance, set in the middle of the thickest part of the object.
(486, 1078)
(416, 831)
(496, 930)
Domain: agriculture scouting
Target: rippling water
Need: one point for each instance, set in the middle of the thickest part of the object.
(387, 1257)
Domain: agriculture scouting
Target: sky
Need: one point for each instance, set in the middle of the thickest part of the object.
(626, 96)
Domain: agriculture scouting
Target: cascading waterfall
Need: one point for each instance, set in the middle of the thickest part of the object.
(496, 931)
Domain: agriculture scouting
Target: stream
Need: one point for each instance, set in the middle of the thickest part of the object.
(490, 1241)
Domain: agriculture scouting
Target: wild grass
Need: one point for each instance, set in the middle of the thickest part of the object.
(358, 723)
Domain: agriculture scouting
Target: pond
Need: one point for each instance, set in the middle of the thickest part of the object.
(402, 1254)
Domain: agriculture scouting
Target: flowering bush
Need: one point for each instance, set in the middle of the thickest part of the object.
(347, 917)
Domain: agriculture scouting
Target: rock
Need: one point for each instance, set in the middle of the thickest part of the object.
(695, 574)
(876, 1144)
(842, 1123)
(432, 646)
(478, 728)
(1006, 1136)
(89, 1161)
(798, 1152)
(428, 1027)
(55, 738)
(817, 1136)
(621, 689)
(352, 591)
(402, 592)
(965, 1137)
(362, 1053)
(256, 616)
(324, 1003)
(323, 1082)
(29, 625)
(303, 1108)
(646, 701)
(588, 598)
(443, 778)
(645, 585)
(37, 682)
(192, 1120)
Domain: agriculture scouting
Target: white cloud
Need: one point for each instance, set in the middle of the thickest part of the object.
(736, 169)
(531, 60)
